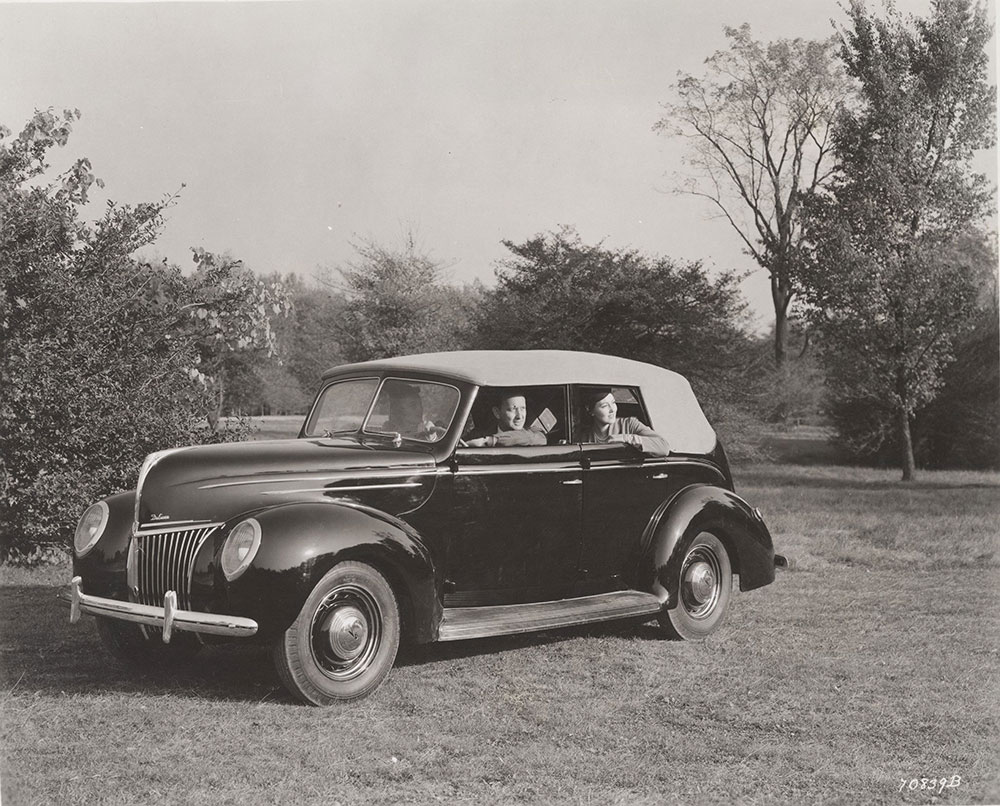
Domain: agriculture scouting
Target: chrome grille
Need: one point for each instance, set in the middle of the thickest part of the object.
(164, 561)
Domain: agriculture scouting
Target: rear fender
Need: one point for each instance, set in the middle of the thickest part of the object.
(301, 542)
(706, 508)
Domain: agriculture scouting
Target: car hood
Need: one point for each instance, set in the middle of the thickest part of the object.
(219, 482)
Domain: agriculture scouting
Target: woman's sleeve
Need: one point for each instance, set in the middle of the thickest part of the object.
(652, 443)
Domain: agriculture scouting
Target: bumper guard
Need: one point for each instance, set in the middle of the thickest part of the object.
(168, 618)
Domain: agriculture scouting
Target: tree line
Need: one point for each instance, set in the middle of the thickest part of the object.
(844, 167)
(552, 291)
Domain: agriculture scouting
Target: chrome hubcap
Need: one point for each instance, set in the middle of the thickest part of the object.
(701, 579)
(701, 582)
(346, 632)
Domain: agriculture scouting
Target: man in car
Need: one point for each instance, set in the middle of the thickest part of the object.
(406, 415)
(510, 413)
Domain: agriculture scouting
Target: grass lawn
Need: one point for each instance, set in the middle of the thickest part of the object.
(872, 661)
(276, 426)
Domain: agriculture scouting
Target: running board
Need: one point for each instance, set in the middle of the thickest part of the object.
(459, 623)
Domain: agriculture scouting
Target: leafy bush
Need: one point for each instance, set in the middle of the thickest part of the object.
(99, 359)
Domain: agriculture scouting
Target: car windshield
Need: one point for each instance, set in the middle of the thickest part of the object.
(420, 411)
(342, 408)
(415, 410)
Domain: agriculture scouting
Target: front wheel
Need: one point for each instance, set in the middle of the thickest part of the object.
(705, 587)
(343, 642)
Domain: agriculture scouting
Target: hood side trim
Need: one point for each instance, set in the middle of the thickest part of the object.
(387, 473)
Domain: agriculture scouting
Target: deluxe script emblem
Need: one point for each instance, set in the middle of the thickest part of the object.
(159, 518)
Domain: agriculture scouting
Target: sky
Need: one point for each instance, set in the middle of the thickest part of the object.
(299, 128)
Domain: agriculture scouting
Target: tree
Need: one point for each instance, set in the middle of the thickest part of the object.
(557, 292)
(230, 320)
(757, 126)
(310, 338)
(960, 427)
(99, 352)
(93, 379)
(795, 395)
(398, 304)
(891, 288)
(266, 380)
(280, 391)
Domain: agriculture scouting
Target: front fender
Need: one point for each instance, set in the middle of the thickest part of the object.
(706, 508)
(103, 567)
(301, 542)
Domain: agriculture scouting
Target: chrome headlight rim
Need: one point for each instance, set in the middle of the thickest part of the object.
(234, 572)
(95, 535)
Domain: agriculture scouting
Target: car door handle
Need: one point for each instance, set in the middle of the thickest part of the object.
(660, 476)
(574, 481)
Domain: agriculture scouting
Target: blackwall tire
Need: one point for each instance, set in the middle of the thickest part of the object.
(343, 643)
(704, 591)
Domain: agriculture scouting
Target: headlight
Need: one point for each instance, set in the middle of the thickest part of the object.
(240, 548)
(90, 528)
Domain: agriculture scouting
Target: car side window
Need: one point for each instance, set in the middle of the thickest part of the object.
(517, 416)
(627, 401)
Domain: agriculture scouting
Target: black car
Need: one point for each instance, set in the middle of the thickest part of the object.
(428, 498)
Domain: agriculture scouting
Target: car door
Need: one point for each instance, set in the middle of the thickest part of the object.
(516, 524)
(621, 491)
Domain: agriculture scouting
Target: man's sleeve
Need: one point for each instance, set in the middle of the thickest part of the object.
(524, 436)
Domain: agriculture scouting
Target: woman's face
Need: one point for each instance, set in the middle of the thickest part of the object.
(605, 410)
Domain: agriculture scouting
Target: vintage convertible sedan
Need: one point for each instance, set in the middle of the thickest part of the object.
(428, 498)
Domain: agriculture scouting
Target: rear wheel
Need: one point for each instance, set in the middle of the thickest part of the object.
(343, 642)
(705, 587)
(143, 647)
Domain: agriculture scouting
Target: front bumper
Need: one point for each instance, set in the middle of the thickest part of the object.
(168, 618)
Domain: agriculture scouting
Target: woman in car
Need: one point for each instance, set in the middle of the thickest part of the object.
(602, 424)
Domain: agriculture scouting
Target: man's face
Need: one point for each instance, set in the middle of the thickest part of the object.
(511, 413)
(605, 410)
(406, 411)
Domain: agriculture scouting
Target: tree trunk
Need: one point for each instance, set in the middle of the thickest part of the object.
(215, 413)
(906, 444)
(780, 336)
(781, 295)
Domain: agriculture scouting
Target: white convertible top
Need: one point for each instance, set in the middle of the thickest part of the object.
(672, 406)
